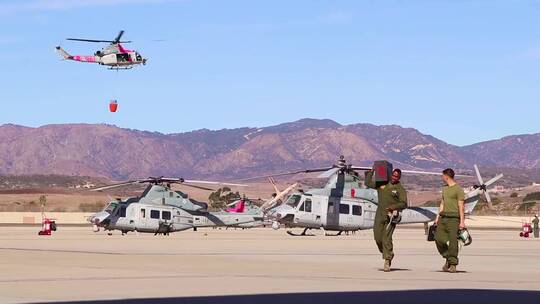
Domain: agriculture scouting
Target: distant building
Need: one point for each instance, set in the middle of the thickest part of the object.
(498, 189)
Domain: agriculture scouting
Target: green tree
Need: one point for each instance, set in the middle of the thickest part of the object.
(533, 196)
(221, 197)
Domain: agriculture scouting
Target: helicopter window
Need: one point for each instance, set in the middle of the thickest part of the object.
(166, 215)
(344, 208)
(111, 207)
(154, 214)
(301, 207)
(122, 211)
(356, 210)
(293, 200)
(307, 205)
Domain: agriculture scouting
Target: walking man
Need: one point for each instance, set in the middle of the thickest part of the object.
(451, 218)
(535, 226)
(392, 199)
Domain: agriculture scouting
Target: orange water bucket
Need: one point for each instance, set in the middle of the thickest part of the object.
(113, 106)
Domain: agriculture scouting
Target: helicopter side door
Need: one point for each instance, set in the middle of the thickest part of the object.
(345, 216)
(357, 215)
(332, 214)
(148, 218)
(143, 214)
(308, 213)
(109, 59)
(368, 213)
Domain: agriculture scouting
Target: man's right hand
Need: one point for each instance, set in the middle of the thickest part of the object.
(436, 222)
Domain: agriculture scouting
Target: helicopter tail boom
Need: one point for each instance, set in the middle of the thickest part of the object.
(66, 56)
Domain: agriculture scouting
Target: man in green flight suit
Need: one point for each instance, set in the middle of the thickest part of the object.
(536, 229)
(451, 218)
(392, 198)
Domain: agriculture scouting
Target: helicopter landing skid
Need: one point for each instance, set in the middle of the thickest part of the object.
(289, 232)
(119, 68)
(337, 234)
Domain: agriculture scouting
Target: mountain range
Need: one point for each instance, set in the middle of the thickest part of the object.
(108, 151)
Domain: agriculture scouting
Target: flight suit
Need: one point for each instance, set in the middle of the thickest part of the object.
(391, 196)
(446, 235)
(536, 229)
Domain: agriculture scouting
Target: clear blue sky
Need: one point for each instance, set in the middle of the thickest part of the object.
(463, 71)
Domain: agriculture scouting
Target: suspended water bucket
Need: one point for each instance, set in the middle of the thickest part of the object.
(113, 106)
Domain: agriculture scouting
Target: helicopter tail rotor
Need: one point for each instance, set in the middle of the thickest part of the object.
(483, 186)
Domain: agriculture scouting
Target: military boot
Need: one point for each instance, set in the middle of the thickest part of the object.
(452, 269)
(446, 267)
(387, 264)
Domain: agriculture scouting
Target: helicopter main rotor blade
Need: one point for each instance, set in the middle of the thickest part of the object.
(328, 173)
(161, 179)
(120, 34)
(284, 174)
(486, 193)
(197, 187)
(356, 168)
(431, 173)
(117, 185)
(212, 183)
(90, 40)
(493, 180)
(480, 180)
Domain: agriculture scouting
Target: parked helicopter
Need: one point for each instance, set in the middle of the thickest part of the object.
(345, 204)
(160, 210)
(115, 56)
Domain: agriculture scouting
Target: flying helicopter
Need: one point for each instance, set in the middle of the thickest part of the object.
(345, 204)
(161, 210)
(115, 56)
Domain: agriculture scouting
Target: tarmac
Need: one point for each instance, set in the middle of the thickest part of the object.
(260, 266)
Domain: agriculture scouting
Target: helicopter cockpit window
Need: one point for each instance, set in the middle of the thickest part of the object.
(293, 200)
(356, 210)
(307, 205)
(138, 56)
(111, 207)
(301, 207)
(122, 212)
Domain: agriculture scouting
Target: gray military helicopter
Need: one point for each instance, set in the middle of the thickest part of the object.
(345, 204)
(115, 56)
(161, 210)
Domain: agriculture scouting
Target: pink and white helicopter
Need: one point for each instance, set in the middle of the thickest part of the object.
(115, 56)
